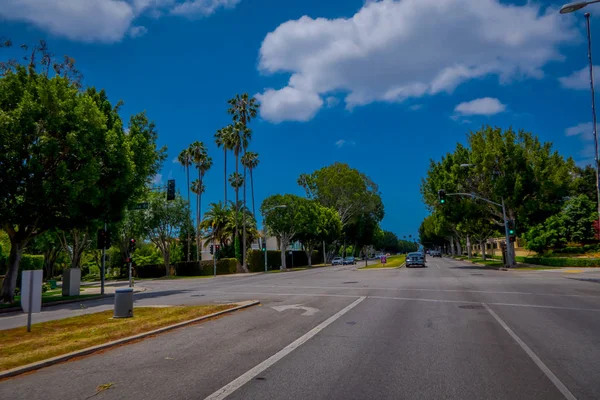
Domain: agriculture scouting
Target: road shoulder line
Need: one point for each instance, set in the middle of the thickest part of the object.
(553, 378)
(252, 373)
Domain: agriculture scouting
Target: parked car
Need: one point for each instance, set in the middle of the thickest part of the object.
(349, 261)
(337, 261)
(415, 259)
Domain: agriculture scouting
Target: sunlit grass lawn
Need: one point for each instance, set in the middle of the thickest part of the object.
(54, 338)
(392, 262)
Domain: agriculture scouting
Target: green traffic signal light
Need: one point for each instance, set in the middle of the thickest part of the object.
(442, 201)
(511, 232)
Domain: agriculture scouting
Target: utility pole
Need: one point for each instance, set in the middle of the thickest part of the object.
(103, 267)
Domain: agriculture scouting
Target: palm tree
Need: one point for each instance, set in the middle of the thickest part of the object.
(243, 109)
(223, 139)
(202, 162)
(250, 160)
(215, 220)
(185, 159)
(239, 141)
(197, 188)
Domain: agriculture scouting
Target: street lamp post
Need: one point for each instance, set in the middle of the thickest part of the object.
(569, 8)
(264, 213)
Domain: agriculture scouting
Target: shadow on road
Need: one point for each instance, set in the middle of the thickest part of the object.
(159, 293)
(593, 280)
(475, 267)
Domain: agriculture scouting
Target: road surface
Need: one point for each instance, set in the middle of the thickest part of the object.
(448, 331)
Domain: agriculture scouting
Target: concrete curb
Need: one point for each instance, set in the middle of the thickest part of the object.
(57, 303)
(65, 357)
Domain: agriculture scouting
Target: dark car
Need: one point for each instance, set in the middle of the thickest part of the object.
(349, 261)
(415, 260)
(436, 254)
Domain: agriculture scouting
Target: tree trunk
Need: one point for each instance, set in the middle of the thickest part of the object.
(252, 190)
(189, 236)
(237, 196)
(167, 259)
(10, 281)
(469, 253)
(225, 175)
(459, 247)
(244, 266)
(284, 244)
(324, 254)
(198, 224)
(482, 247)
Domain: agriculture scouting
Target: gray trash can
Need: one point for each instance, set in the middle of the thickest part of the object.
(123, 303)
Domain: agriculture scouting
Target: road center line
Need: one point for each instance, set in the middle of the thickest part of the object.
(248, 376)
(553, 378)
(437, 266)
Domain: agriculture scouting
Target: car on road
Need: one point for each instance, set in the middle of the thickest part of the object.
(436, 253)
(349, 261)
(415, 259)
(337, 261)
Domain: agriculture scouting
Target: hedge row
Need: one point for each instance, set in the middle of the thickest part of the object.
(193, 268)
(556, 261)
(256, 259)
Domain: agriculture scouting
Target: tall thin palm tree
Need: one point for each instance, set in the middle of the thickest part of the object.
(185, 159)
(223, 139)
(197, 188)
(239, 141)
(243, 109)
(250, 160)
(199, 158)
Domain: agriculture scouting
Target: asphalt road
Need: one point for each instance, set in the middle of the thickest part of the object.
(448, 331)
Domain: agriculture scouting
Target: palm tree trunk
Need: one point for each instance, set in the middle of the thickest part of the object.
(198, 199)
(225, 175)
(237, 191)
(252, 190)
(244, 225)
(189, 238)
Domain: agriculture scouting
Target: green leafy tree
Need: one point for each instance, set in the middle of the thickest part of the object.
(215, 221)
(284, 222)
(316, 225)
(162, 222)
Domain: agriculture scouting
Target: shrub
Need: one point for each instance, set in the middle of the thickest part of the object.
(194, 268)
(150, 271)
(256, 259)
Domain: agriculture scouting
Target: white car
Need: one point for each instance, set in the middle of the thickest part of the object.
(415, 259)
(337, 261)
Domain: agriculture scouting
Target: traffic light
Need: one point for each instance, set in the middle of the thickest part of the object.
(211, 249)
(101, 239)
(217, 248)
(442, 196)
(264, 244)
(171, 189)
(511, 231)
(131, 245)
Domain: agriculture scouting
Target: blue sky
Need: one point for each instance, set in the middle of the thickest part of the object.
(383, 86)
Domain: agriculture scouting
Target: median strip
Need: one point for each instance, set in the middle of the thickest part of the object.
(57, 341)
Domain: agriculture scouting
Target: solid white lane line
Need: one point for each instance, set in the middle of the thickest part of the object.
(289, 294)
(430, 290)
(251, 374)
(553, 378)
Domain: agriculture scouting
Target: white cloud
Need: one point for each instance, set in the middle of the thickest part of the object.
(343, 142)
(483, 106)
(137, 31)
(394, 50)
(416, 107)
(104, 21)
(175, 160)
(586, 134)
(584, 130)
(202, 7)
(288, 104)
(157, 180)
(578, 79)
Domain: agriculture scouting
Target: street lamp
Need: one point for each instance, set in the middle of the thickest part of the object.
(264, 213)
(578, 5)
(569, 8)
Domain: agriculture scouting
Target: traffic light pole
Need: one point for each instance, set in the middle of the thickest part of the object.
(214, 258)
(509, 251)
